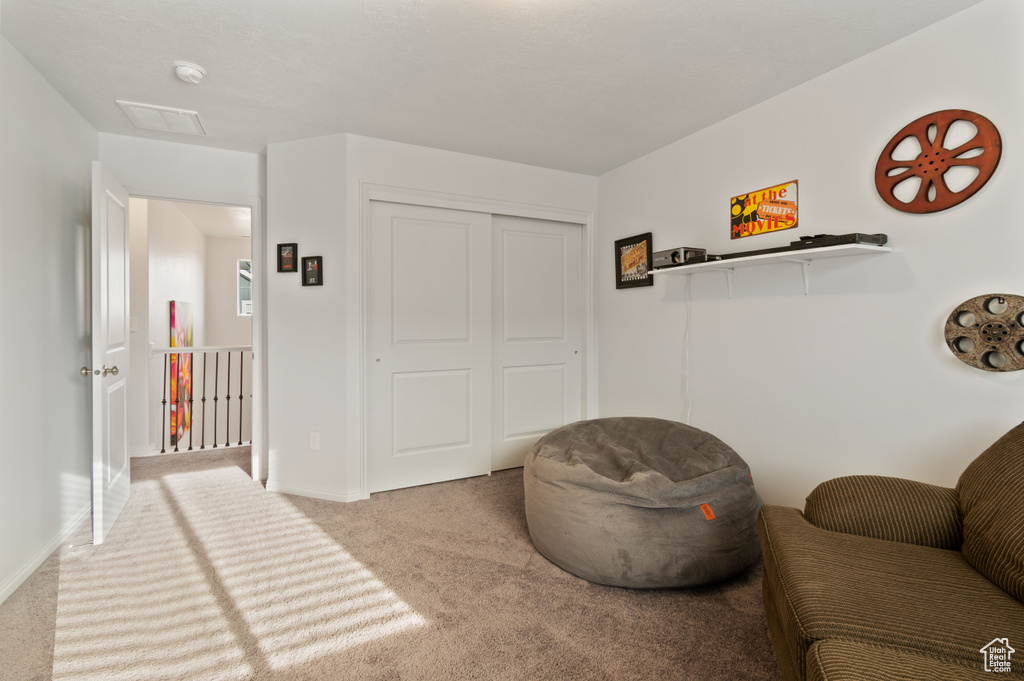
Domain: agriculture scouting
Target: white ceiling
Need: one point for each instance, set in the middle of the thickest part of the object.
(579, 85)
(218, 221)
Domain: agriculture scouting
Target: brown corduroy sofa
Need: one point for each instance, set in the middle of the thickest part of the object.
(889, 579)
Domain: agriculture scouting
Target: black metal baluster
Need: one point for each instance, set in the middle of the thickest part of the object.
(216, 379)
(202, 433)
(241, 412)
(163, 424)
(227, 406)
(191, 392)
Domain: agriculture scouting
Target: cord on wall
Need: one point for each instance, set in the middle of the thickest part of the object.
(686, 352)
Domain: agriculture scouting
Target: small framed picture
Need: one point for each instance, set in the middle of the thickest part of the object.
(633, 261)
(287, 257)
(313, 270)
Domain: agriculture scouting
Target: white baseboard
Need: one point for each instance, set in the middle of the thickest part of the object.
(11, 583)
(316, 493)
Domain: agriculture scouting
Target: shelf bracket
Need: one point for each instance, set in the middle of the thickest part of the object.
(807, 271)
(728, 275)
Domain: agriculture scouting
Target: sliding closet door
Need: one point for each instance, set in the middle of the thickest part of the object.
(430, 345)
(538, 333)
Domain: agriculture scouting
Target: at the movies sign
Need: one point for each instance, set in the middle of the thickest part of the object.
(766, 210)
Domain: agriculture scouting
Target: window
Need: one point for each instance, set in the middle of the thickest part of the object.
(244, 288)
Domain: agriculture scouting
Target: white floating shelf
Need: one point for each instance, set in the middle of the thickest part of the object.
(802, 257)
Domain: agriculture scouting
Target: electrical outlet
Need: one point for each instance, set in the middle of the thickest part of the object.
(314, 441)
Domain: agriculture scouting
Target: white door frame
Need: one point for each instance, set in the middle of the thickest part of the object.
(258, 245)
(358, 281)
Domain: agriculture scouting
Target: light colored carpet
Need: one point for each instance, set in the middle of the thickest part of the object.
(208, 576)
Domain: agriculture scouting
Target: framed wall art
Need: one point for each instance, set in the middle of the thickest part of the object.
(313, 271)
(287, 257)
(633, 261)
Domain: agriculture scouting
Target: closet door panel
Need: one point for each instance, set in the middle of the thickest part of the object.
(429, 362)
(538, 302)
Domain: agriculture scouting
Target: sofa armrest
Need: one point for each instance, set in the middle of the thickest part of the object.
(888, 508)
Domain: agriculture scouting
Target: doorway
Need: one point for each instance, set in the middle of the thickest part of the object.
(196, 265)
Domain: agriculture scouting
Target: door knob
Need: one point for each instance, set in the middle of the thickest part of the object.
(111, 370)
(86, 372)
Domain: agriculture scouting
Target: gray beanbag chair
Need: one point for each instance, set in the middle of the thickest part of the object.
(640, 502)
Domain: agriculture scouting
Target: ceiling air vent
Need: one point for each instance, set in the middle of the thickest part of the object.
(162, 118)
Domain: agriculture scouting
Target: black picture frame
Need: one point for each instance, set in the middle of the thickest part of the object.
(287, 257)
(313, 270)
(633, 261)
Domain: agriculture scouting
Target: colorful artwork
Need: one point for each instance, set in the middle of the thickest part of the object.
(766, 210)
(181, 370)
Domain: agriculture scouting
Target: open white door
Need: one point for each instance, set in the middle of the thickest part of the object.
(110, 461)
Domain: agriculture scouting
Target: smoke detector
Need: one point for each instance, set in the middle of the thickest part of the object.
(189, 72)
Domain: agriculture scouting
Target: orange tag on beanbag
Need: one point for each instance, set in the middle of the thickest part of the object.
(708, 513)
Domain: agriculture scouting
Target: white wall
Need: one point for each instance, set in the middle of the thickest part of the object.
(224, 326)
(177, 271)
(855, 377)
(315, 190)
(144, 165)
(45, 425)
(307, 326)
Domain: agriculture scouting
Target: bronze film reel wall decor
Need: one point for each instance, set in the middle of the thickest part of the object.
(980, 153)
(987, 332)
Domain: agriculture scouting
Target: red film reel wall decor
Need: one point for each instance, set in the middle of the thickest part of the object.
(981, 153)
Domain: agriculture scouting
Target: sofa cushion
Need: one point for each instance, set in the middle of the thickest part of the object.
(991, 494)
(888, 508)
(841, 660)
(821, 584)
